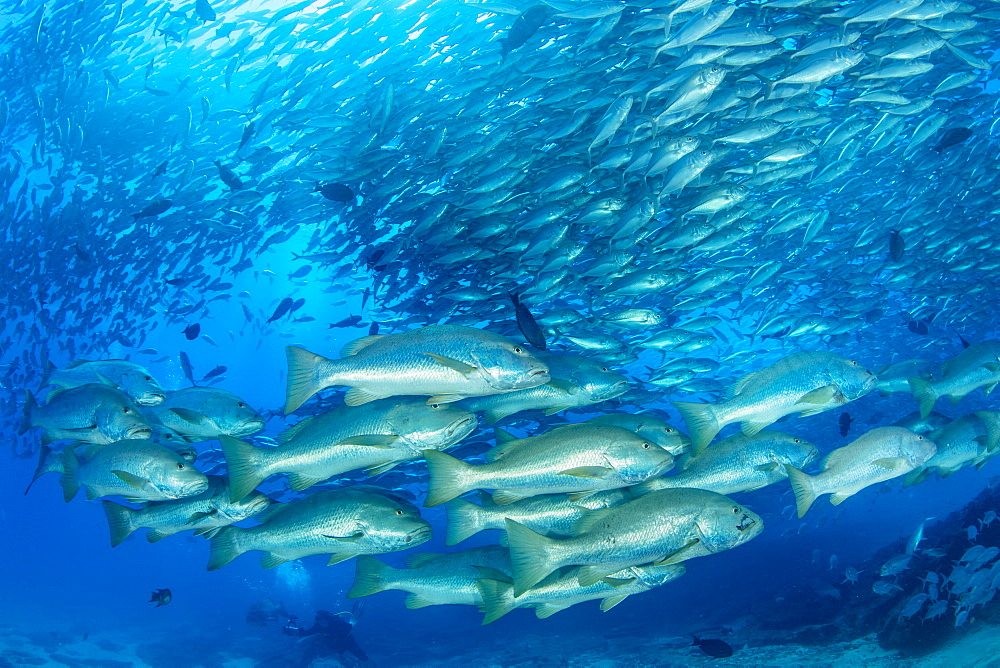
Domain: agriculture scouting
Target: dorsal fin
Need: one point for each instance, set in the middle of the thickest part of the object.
(292, 431)
(740, 384)
(353, 347)
(76, 363)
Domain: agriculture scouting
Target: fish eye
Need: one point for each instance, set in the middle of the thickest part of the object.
(604, 368)
(125, 409)
(920, 438)
(180, 467)
(517, 349)
(435, 405)
(669, 430)
(399, 511)
(795, 440)
(240, 404)
(146, 378)
(736, 510)
(645, 446)
(853, 363)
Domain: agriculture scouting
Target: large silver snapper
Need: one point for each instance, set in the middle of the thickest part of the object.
(203, 413)
(664, 435)
(739, 464)
(93, 413)
(135, 469)
(805, 382)
(976, 366)
(662, 527)
(129, 377)
(376, 436)
(449, 362)
(342, 523)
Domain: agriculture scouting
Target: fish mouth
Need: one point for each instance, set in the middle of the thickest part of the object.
(746, 523)
(139, 433)
(615, 390)
(151, 399)
(418, 535)
(459, 426)
(250, 427)
(193, 488)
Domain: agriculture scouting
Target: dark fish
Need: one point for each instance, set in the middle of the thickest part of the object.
(206, 109)
(110, 77)
(364, 298)
(845, 423)
(717, 649)
(204, 10)
(951, 137)
(192, 331)
(247, 313)
(186, 367)
(298, 303)
(176, 281)
(154, 208)
(350, 321)
(373, 259)
(229, 177)
(897, 247)
(965, 344)
(160, 169)
(526, 323)
(263, 612)
(160, 596)
(526, 25)
(874, 315)
(247, 133)
(917, 326)
(301, 271)
(373, 328)
(217, 371)
(335, 192)
(156, 91)
(282, 309)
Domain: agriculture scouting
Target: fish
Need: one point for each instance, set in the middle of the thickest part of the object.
(970, 440)
(94, 413)
(571, 458)
(805, 382)
(203, 413)
(533, 334)
(336, 192)
(670, 438)
(161, 597)
(134, 469)
(192, 331)
(229, 177)
(131, 378)
(153, 209)
(283, 307)
(265, 611)
(952, 137)
(976, 366)
(342, 523)
(739, 464)
(881, 454)
(663, 527)
(432, 579)
(203, 513)
(448, 362)
(844, 424)
(375, 437)
(715, 648)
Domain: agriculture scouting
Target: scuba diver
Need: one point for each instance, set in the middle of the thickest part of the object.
(331, 635)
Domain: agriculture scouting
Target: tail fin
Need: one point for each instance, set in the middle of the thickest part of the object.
(802, 486)
(448, 477)
(464, 521)
(46, 464)
(991, 420)
(121, 521)
(246, 470)
(302, 376)
(225, 547)
(68, 480)
(369, 577)
(925, 394)
(29, 406)
(701, 421)
(530, 556)
(498, 599)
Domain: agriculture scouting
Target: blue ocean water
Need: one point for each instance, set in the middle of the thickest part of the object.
(483, 155)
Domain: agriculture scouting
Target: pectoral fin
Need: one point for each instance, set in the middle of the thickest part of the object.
(353, 538)
(461, 367)
(612, 601)
(487, 573)
(588, 472)
(337, 558)
(565, 386)
(618, 582)
(677, 555)
(891, 463)
(767, 468)
(371, 440)
(822, 395)
(132, 480)
(194, 417)
(197, 517)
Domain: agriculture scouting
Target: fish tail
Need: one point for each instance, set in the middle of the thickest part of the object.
(29, 407)
(498, 598)
(44, 466)
(246, 468)
(303, 380)
(225, 547)
(448, 477)
(464, 521)
(702, 422)
(68, 480)
(120, 521)
(992, 423)
(805, 493)
(530, 556)
(369, 577)
(925, 394)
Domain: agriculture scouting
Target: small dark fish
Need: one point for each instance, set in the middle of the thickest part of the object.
(335, 192)
(965, 344)
(951, 137)
(845, 423)
(373, 259)
(282, 309)
(186, 367)
(526, 323)
(192, 331)
(161, 597)
(160, 169)
(247, 134)
(154, 208)
(917, 326)
(156, 91)
(217, 371)
(350, 321)
(247, 313)
(204, 10)
(897, 247)
(373, 328)
(364, 298)
(717, 649)
(874, 315)
(526, 25)
(206, 109)
(298, 303)
(110, 77)
(229, 177)
(301, 271)
(177, 281)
